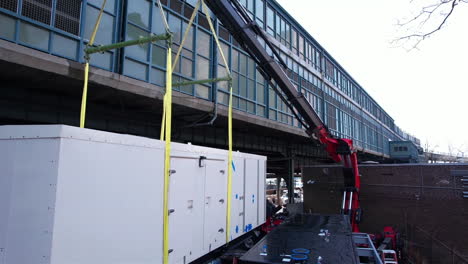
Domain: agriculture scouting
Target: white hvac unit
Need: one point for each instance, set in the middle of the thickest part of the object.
(71, 195)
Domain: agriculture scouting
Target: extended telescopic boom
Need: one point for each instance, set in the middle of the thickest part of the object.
(254, 41)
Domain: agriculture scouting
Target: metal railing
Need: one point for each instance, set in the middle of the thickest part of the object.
(365, 249)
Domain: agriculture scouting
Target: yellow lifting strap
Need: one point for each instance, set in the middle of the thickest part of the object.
(187, 30)
(166, 125)
(86, 70)
(167, 157)
(229, 179)
(176, 59)
(166, 25)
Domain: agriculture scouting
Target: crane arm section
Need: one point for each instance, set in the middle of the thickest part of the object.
(254, 41)
(247, 34)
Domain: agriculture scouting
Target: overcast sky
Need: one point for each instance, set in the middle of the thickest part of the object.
(426, 90)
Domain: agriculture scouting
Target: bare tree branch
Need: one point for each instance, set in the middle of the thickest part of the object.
(420, 26)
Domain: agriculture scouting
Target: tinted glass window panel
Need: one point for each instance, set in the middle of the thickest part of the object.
(250, 5)
(203, 68)
(34, 36)
(250, 107)
(242, 86)
(7, 30)
(242, 104)
(110, 4)
(159, 56)
(278, 27)
(64, 46)
(158, 77)
(251, 68)
(137, 51)
(202, 91)
(288, 33)
(138, 12)
(158, 22)
(225, 50)
(272, 114)
(187, 66)
(223, 98)
(251, 90)
(259, 4)
(235, 60)
(175, 26)
(106, 27)
(223, 33)
(188, 44)
(135, 69)
(176, 5)
(203, 43)
(270, 16)
(103, 60)
(272, 98)
(260, 110)
(260, 94)
(186, 88)
(243, 64)
(294, 39)
(235, 83)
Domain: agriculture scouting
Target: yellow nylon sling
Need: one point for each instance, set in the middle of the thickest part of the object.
(86, 70)
(229, 183)
(166, 125)
(167, 157)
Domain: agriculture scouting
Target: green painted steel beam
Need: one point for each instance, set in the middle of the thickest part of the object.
(123, 44)
(227, 78)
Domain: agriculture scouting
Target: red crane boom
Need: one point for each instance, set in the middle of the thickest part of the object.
(254, 41)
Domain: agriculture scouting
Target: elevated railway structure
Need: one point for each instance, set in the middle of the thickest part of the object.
(435, 157)
(42, 47)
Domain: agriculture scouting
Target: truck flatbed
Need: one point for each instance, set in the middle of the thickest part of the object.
(306, 238)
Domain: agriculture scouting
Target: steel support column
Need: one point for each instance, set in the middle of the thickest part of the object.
(290, 180)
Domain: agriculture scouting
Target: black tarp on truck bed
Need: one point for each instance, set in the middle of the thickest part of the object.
(327, 237)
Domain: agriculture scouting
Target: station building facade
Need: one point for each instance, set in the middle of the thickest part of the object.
(62, 28)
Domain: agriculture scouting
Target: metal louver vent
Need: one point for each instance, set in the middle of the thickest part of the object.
(39, 10)
(11, 5)
(67, 16)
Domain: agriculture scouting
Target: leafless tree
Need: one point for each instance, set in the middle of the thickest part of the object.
(431, 18)
(428, 147)
(429, 151)
(451, 150)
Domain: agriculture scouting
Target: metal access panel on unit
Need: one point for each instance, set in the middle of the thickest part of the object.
(261, 191)
(186, 207)
(251, 198)
(197, 203)
(237, 208)
(215, 202)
